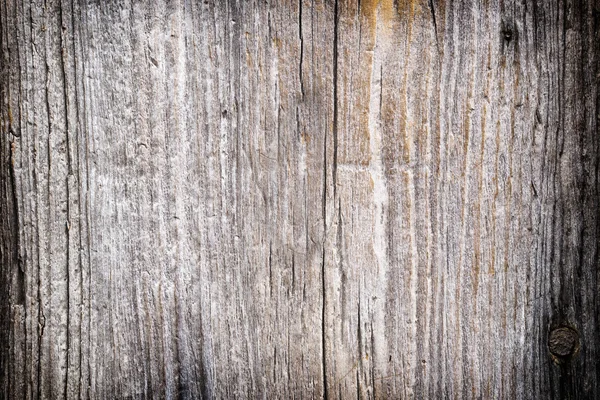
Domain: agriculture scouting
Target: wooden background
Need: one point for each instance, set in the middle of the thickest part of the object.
(299, 199)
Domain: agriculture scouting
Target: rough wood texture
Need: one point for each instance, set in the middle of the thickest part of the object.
(300, 199)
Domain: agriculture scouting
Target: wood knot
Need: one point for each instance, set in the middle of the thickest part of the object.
(563, 343)
(508, 31)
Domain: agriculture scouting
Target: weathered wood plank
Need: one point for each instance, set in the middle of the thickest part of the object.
(321, 199)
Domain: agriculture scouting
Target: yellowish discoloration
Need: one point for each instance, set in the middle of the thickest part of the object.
(355, 83)
(368, 9)
(379, 19)
(387, 13)
(379, 10)
(13, 150)
(305, 137)
(406, 8)
(10, 117)
(248, 59)
(364, 107)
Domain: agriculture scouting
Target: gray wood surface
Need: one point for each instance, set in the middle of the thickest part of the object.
(300, 199)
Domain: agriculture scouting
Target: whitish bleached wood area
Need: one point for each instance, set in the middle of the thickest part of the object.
(305, 199)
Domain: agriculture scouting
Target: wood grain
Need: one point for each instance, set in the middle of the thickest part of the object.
(300, 199)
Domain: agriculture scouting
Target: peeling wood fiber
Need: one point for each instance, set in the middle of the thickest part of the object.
(382, 199)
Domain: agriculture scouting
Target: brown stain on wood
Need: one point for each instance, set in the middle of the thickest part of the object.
(389, 11)
(368, 11)
(10, 117)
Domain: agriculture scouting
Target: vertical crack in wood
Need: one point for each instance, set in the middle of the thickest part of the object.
(301, 37)
(14, 242)
(380, 195)
(82, 185)
(48, 199)
(335, 96)
(357, 385)
(9, 220)
(323, 327)
(323, 280)
(372, 369)
(62, 57)
(435, 29)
